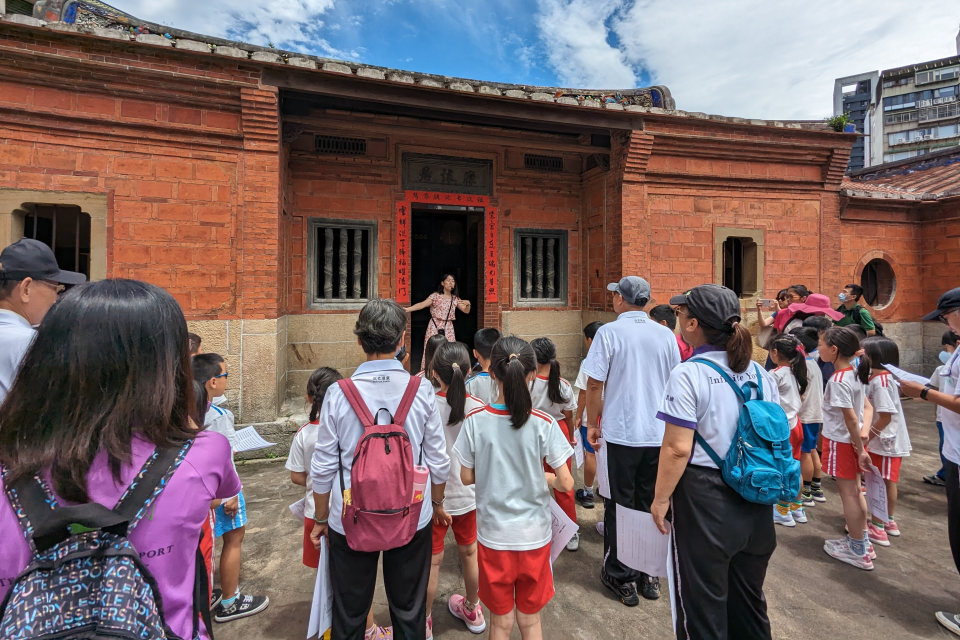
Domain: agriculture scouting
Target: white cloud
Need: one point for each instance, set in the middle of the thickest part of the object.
(745, 58)
(575, 35)
(285, 23)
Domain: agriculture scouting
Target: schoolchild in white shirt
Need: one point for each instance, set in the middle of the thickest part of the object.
(790, 373)
(554, 395)
(585, 496)
(230, 518)
(888, 442)
(449, 367)
(811, 418)
(480, 384)
(501, 448)
(844, 453)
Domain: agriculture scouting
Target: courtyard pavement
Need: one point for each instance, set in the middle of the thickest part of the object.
(810, 595)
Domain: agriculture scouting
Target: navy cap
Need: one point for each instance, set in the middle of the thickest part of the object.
(27, 258)
(947, 302)
(713, 305)
(632, 288)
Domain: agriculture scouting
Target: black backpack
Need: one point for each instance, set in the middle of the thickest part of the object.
(878, 328)
(92, 581)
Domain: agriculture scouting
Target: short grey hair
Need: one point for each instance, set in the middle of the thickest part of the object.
(380, 326)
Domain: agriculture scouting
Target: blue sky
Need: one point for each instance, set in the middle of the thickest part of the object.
(743, 58)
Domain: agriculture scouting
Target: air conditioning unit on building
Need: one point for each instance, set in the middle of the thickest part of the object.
(899, 140)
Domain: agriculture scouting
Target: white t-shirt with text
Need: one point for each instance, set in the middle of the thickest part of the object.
(697, 397)
(513, 499)
(844, 391)
(633, 356)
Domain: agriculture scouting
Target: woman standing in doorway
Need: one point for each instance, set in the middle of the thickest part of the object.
(442, 303)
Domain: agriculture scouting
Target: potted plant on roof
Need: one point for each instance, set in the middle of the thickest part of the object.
(841, 123)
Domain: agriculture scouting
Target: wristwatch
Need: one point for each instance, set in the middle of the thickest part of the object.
(924, 392)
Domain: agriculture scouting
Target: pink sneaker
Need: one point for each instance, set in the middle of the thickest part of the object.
(892, 529)
(379, 633)
(473, 619)
(430, 627)
(877, 535)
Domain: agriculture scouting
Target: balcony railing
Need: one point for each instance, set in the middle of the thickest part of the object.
(940, 112)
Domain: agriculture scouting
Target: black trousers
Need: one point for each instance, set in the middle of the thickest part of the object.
(353, 576)
(723, 545)
(633, 479)
(953, 509)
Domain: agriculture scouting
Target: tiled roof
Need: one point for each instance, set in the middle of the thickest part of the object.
(928, 177)
(96, 18)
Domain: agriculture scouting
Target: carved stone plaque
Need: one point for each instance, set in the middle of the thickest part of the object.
(446, 174)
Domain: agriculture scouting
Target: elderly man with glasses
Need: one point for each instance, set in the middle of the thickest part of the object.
(30, 281)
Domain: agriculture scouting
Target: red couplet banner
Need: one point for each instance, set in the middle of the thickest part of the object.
(403, 252)
(490, 256)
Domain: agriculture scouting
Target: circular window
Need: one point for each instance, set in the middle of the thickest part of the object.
(879, 283)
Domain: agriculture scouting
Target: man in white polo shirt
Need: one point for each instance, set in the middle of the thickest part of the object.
(629, 364)
(30, 280)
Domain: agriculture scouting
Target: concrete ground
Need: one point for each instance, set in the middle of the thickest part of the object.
(810, 595)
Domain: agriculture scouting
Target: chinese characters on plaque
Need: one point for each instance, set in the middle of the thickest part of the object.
(490, 256)
(403, 252)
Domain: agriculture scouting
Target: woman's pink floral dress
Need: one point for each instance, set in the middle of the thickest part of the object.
(439, 312)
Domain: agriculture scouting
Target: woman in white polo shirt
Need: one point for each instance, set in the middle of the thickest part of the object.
(722, 542)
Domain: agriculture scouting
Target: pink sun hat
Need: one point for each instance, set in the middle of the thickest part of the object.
(816, 303)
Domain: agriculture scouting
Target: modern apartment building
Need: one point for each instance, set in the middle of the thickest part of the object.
(855, 95)
(910, 111)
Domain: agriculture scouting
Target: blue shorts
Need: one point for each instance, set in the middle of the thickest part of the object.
(223, 523)
(583, 438)
(810, 433)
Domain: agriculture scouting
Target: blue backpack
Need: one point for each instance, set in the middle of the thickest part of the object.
(86, 579)
(759, 464)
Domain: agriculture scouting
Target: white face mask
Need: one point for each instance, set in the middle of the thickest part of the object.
(842, 296)
(945, 356)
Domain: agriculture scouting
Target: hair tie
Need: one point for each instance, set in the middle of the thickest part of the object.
(455, 365)
(512, 356)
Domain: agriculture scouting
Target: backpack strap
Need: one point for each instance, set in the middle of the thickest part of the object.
(742, 393)
(353, 396)
(413, 385)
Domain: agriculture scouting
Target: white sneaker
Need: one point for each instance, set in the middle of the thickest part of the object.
(786, 520)
(841, 550)
(574, 543)
(950, 621)
(600, 527)
(799, 515)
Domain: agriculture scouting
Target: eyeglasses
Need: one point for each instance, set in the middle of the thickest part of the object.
(678, 311)
(222, 375)
(782, 298)
(943, 317)
(59, 288)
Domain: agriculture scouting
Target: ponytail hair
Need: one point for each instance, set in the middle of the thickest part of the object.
(451, 363)
(200, 406)
(317, 385)
(848, 343)
(430, 350)
(546, 353)
(511, 361)
(737, 341)
(790, 348)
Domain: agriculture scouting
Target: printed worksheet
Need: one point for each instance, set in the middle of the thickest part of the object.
(876, 494)
(563, 529)
(299, 509)
(321, 611)
(900, 374)
(603, 474)
(249, 440)
(640, 545)
(578, 451)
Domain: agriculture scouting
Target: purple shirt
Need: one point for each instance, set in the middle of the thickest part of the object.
(166, 538)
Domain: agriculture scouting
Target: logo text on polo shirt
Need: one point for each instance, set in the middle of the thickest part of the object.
(381, 378)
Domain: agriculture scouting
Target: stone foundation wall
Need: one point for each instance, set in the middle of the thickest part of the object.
(563, 327)
(319, 340)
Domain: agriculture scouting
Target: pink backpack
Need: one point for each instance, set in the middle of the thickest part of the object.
(382, 513)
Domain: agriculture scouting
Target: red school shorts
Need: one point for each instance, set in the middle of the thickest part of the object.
(840, 459)
(889, 466)
(796, 439)
(521, 578)
(311, 555)
(464, 530)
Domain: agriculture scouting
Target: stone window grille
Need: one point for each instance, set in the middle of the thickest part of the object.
(738, 260)
(341, 262)
(539, 162)
(540, 271)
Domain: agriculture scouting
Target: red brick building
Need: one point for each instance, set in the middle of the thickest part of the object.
(272, 193)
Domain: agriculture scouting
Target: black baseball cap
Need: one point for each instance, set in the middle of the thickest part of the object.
(947, 302)
(28, 258)
(713, 305)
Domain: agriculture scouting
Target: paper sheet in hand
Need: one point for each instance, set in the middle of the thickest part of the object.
(900, 374)
(603, 474)
(563, 530)
(299, 509)
(578, 449)
(876, 494)
(640, 545)
(671, 582)
(249, 440)
(321, 612)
